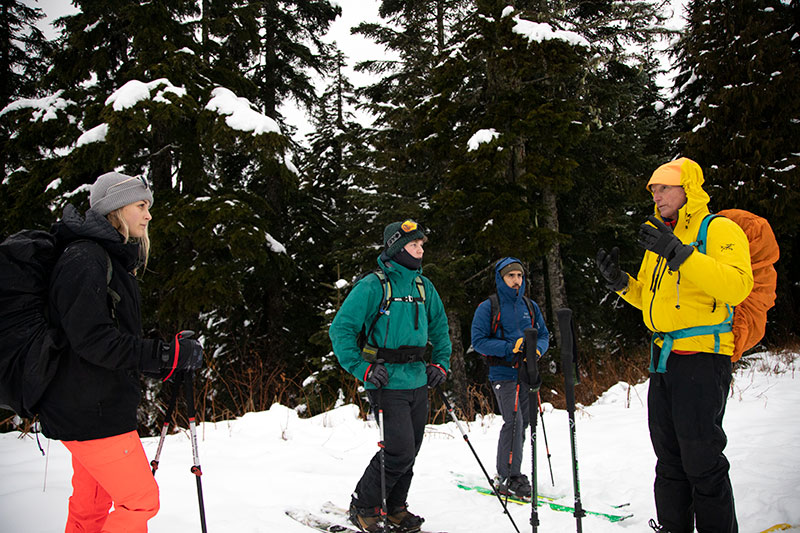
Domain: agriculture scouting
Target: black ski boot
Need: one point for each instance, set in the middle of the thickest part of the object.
(520, 487)
(367, 519)
(401, 520)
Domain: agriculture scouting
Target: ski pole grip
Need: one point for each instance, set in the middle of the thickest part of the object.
(568, 359)
(531, 359)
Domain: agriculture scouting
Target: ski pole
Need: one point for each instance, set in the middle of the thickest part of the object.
(569, 363)
(513, 436)
(196, 470)
(534, 382)
(173, 399)
(544, 432)
(485, 473)
(382, 453)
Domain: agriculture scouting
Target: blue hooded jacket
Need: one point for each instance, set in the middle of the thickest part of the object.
(514, 320)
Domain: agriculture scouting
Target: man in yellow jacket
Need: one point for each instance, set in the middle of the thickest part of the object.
(687, 298)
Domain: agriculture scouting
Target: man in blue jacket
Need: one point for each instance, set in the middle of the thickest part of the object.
(501, 344)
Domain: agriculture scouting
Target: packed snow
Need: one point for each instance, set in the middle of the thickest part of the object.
(540, 31)
(258, 466)
(240, 113)
(96, 134)
(482, 137)
(45, 108)
(136, 91)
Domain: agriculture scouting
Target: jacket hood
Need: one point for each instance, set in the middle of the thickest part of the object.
(95, 227)
(691, 179)
(503, 290)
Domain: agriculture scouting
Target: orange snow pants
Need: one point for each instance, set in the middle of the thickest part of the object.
(113, 469)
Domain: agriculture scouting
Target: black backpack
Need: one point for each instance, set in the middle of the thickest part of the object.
(29, 346)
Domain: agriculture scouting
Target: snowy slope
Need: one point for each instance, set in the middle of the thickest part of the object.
(259, 465)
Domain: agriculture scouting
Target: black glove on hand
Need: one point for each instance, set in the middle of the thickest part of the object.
(662, 241)
(608, 264)
(377, 375)
(183, 353)
(436, 375)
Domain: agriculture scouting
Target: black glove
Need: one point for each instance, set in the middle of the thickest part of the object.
(662, 241)
(377, 375)
(183, 353)
(608, 264)
(436, 375)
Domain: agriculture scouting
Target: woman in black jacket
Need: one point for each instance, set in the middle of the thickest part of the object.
(91, 404)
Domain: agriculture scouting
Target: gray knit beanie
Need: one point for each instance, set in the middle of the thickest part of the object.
(397, 234)
(113, 190)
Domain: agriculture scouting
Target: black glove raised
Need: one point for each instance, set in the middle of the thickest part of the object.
(608, 264)
(436, 375)
(377, 375)
(660, 240)
(183, 353)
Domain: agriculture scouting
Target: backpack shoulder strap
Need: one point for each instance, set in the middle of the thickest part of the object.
(386, 289)
(702, 233)
(113, 296)
(494, 303)
(531, 310)
(420, 288)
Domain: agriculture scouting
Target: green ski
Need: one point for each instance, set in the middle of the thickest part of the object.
(546, 501)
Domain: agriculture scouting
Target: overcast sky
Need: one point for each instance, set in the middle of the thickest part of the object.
(356, 48)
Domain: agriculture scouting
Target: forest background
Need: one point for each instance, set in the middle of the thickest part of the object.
(523, 128)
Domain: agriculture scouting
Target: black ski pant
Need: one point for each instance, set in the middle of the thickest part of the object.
(511, 434)
(685, 407)
(405, 413)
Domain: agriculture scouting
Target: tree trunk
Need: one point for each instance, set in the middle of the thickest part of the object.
(458, 373)
(160, 158)
(555, 272)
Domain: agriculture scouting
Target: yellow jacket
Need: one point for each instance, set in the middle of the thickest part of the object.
(696, 294)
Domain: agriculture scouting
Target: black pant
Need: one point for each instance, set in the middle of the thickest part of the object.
(404, 415)
(685, 408)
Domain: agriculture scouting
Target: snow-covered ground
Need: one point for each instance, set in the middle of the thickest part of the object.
(258, 466)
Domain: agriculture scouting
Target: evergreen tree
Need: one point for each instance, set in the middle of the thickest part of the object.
(23, 50)
(737, 117)
(326, 219)
(505, 137)
(131, 90)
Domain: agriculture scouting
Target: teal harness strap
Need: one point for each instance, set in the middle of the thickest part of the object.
(669, 337)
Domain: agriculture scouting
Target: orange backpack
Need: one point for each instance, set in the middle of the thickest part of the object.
(750, 316)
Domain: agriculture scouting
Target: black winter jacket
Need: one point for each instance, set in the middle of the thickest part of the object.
(96, 389)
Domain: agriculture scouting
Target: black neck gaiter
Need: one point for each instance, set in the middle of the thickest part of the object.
(405, 259)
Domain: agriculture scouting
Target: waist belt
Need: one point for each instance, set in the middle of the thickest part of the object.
(499, 361)
(401, 355)
(667, 338)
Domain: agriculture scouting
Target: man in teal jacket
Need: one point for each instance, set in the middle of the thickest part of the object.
(392, 367)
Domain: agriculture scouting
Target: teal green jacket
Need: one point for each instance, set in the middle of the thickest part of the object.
(395, 328)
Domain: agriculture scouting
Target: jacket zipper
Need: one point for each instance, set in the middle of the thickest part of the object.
(655, 283)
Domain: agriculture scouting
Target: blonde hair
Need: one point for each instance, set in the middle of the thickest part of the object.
(117, 220)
